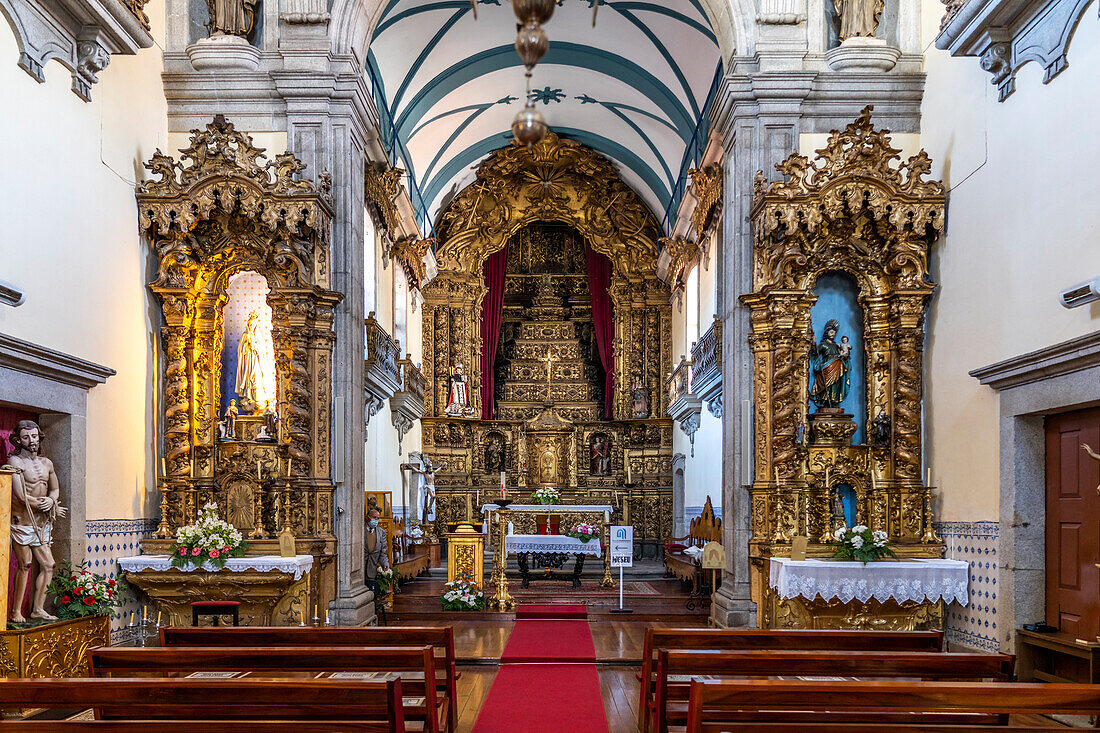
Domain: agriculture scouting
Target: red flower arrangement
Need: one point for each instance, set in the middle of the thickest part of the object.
(78, 592)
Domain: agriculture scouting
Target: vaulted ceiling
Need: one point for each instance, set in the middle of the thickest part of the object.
(634, 88)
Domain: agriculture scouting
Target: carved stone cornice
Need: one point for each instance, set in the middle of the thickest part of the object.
(1005, 34)
(81, 34)
(706, 359)
(410, 251)
(708, 185)
(555, 180)
(1035, 366)
(684, 406)
(382, 371)
(382, 186)
(407, 404)
(24, 356)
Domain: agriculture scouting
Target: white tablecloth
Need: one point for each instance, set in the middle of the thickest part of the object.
(544, 508)
(299, 564)
(901, 580)
(551, 543)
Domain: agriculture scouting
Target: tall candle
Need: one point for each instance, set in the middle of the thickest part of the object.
(827, 484)
(258, 477)
(289, 467)
(158, 618)
(628, 471)
(163, 467)
(928, 477)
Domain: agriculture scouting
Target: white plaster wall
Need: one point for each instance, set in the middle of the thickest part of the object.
(1021, 226)
(383, 455)
(69, 240)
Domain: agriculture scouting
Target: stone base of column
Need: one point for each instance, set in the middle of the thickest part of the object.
(356, 609)
(733, 612)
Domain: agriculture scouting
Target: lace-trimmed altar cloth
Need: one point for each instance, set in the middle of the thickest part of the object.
(551, 543)
(883, 580)
(299, 564)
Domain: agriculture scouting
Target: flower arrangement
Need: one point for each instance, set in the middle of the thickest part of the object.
(79, 592)
(209, 541)
(384, 578)
(462, 594)
(584, 532)
(546, 496)
(860, 543)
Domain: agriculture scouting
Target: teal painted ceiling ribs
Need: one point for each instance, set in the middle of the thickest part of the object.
(636, 88)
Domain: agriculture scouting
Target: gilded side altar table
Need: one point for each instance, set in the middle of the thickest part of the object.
(901, 595)
(272, 590)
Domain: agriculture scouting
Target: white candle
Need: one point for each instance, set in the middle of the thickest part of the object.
(628, 471)
(258, 477)
(928, 477)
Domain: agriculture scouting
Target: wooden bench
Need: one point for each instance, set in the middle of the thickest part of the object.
(440, 638)
(701, 530)
(414, 665)
(371, 706)
(733, 639)
(1056, 657)
(728, 706)
(675, 668)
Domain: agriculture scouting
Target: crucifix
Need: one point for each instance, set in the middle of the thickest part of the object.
(549, 362)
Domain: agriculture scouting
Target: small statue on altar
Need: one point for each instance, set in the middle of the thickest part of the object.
(494, 455)
(35, 506)
(880, 429)
(230, 422)
(268, 426)
(231, 17)
(641, 399)
(830, 364)
(600, 463)
(250, 370)
(458, 403)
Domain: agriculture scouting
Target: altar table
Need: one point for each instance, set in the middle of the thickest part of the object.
(550, 551)
(884, 594)
(272, 590)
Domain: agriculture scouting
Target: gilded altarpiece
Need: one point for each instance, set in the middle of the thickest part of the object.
(217, 212)
(544, 203)
(854, 211)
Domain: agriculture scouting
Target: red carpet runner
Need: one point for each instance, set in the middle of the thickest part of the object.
(536, 690)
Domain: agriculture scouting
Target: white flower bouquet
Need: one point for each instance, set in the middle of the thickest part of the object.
(547, 496)
(584, 532)
(209, 540)
(462, 594)
(384, 578)
(860, 543)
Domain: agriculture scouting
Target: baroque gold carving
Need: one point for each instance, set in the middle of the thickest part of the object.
(555, 180)
(56, 649)
(410, 252)
(382, 186)
(708, 188)
(854, 210)
(683, 255)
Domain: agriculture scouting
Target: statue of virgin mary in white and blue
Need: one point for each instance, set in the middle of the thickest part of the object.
(830, 366)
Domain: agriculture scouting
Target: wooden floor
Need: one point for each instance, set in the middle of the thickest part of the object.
(480, 639)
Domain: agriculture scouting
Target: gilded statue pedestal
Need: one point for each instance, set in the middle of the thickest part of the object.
(465, 553)
(56, 649)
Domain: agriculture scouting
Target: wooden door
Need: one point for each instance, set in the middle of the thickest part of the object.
(1073, 523)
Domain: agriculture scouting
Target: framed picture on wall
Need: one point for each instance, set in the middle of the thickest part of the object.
(383, 500)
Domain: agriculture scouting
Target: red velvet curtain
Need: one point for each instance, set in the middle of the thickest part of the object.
(492, 308)
(599, 280)
(9, 417)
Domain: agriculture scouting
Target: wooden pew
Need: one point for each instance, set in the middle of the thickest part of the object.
(373, 706)
(732, 639)
(415, 665)
(670, 704)
(701, 530)
(440, 638)
(746, 705)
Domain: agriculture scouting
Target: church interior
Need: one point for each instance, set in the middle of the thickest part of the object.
(616, 365)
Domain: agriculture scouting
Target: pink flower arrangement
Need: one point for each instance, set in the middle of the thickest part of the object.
(208, 543)
(214, 553)
(183, 550)
(196, 551)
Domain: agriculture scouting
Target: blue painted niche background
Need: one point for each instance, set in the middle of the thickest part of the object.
(837, 295)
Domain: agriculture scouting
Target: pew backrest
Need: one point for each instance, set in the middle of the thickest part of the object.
(376, 705)
(773, 639)
(725, 704)
(441, 638)
(129, 661)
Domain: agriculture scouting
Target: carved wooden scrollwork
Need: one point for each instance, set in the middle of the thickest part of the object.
(855, 209)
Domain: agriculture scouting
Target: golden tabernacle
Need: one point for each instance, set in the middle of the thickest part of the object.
(847, 215)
